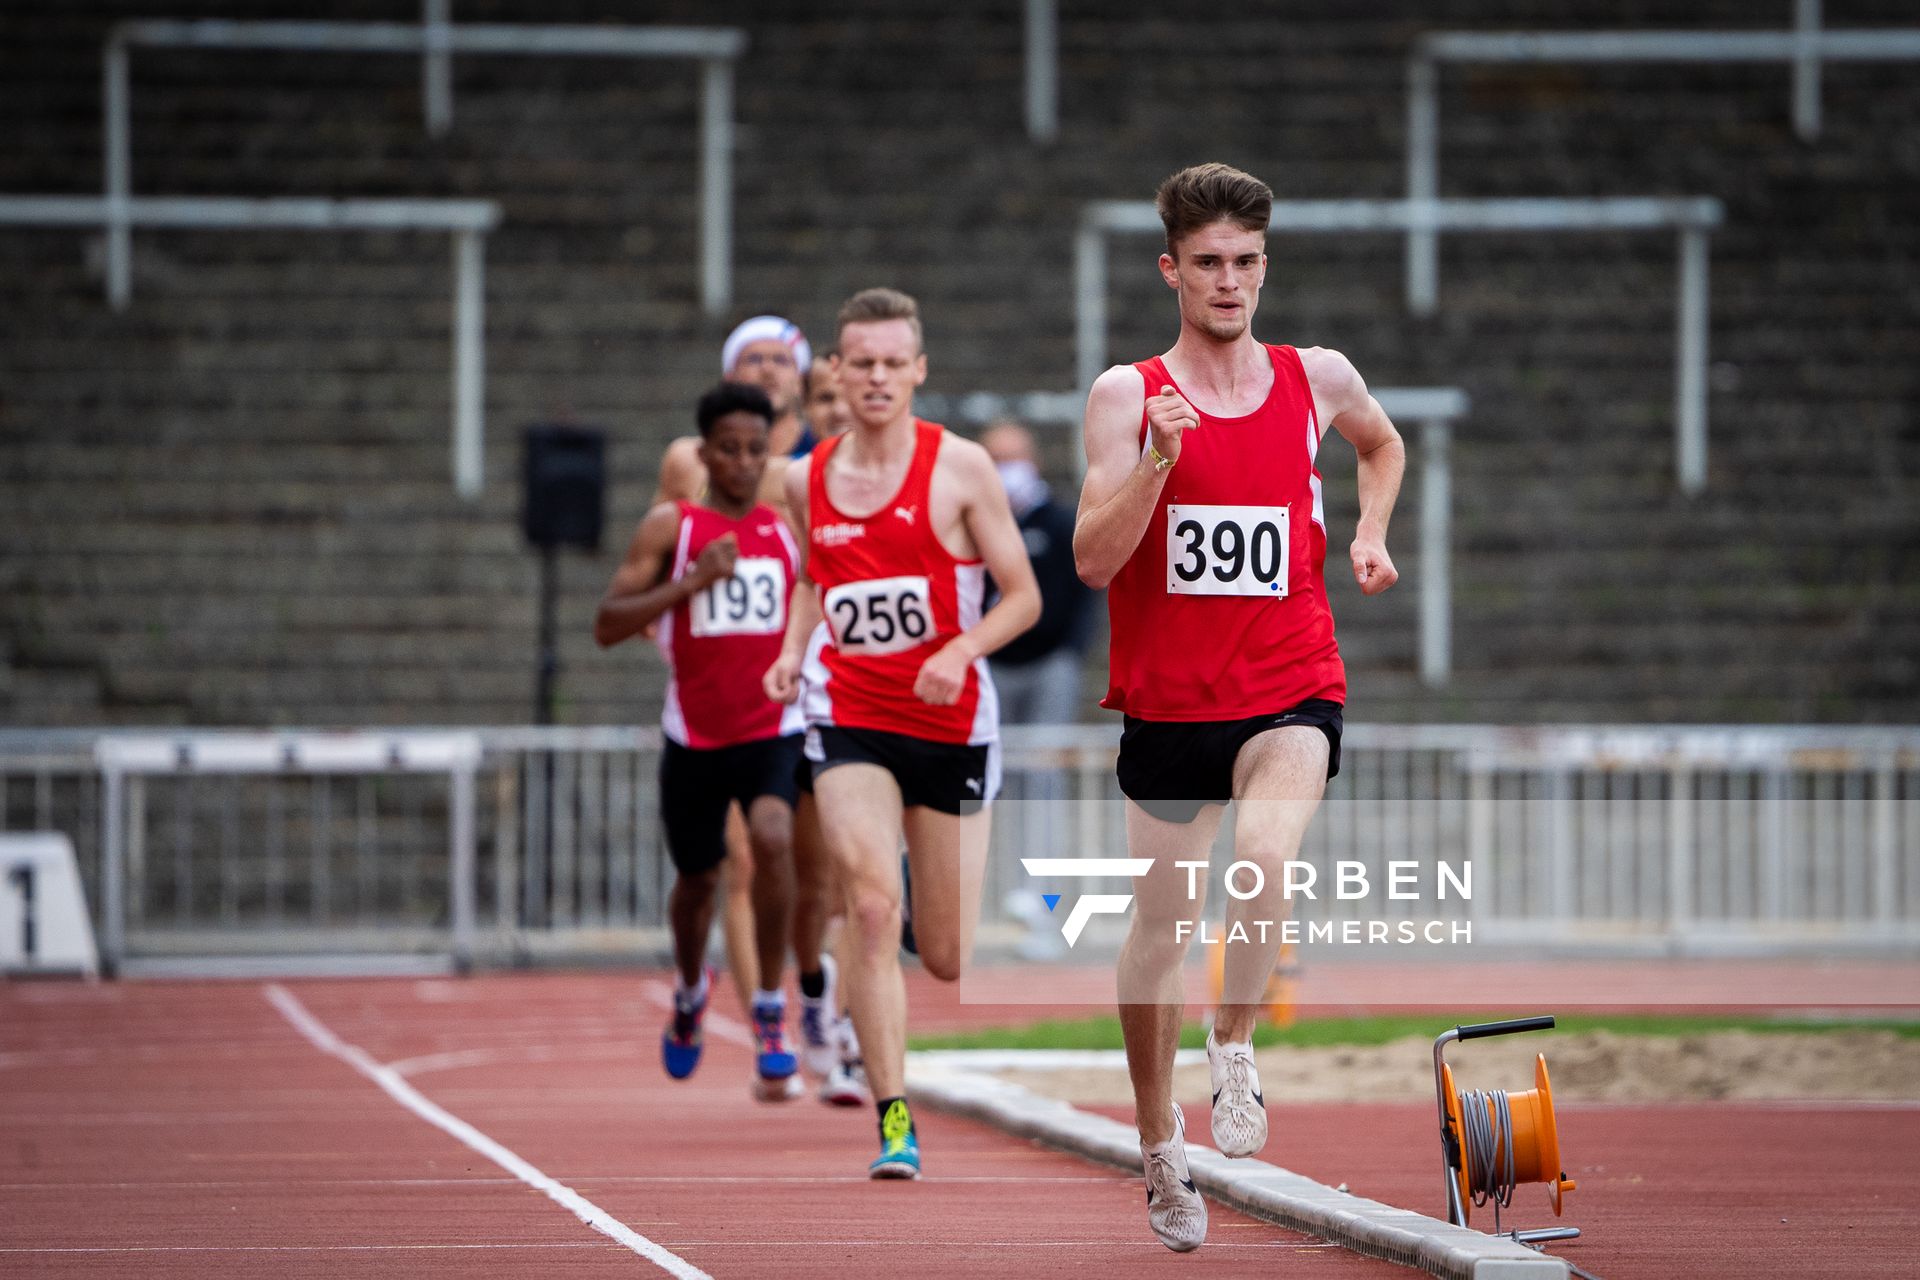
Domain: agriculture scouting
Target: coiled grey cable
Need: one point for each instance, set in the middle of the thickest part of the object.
(1486, 1123)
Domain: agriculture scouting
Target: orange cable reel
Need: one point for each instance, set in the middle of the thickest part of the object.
(1495, 1140)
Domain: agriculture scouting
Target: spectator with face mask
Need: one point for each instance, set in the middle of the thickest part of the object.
(1038, 673)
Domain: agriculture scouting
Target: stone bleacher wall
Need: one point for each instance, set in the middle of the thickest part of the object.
(231, 504)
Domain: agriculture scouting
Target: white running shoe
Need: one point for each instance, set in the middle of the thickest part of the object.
(1239, 1112)
(1175, 1210)
(846, 1084)
(818, 1054)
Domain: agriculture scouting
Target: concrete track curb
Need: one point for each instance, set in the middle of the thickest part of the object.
(1263, 1190)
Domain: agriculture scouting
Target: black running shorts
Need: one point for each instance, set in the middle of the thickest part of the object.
(1174, 768)
(948, 777)
(697, 785)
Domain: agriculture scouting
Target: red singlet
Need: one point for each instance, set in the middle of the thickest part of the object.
(1221, 612)
(892, 596)
(719, 642)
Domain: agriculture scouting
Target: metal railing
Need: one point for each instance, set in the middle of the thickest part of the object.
(436, 40)
(467, 221)
(1692, 218)
(1690, 840)
(1805, 49)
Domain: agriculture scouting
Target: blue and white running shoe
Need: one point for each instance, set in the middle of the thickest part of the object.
(680, 1044)
(775, 1067)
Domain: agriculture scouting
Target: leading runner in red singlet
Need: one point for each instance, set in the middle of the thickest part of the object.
(1201, 514)
(716, 574)
(900, 522)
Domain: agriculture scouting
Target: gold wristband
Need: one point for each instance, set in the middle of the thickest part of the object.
(1159, 463)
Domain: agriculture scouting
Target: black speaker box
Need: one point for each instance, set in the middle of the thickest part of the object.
(564, 476)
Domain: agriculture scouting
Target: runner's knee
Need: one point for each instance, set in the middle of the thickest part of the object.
(875, 915)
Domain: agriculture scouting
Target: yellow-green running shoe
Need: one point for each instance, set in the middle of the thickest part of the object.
(899, 1147)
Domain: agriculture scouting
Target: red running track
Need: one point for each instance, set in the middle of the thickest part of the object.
(1705, 1190)
(189, 1129)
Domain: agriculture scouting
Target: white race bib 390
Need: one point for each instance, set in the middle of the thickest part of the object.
(1226, 551)
(753, 602)
(880, 615)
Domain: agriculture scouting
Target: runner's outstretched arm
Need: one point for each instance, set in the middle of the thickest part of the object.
(1123, 482)
(637, 596)
(1341, 399)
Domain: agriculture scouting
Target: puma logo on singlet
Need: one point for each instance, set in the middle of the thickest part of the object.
(905, 513)
(765, 530)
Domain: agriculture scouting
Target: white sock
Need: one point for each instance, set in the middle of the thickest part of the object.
(690, 995)
(762, 999)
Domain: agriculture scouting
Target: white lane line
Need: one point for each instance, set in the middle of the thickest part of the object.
(893, 1242)
(642, 1179)
(290, 1248)
(454, 1059)
(397, 1088)
(887, 1242)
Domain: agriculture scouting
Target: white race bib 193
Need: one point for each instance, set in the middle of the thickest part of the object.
(753, 602)
(880, 615)
(1226, 551)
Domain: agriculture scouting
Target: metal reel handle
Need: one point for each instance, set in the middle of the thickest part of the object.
(1509, 1026)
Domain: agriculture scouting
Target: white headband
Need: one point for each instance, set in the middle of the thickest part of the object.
(764, 329)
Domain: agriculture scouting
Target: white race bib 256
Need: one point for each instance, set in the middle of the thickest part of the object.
(753, 602)
(878, 616)
(1226, 551)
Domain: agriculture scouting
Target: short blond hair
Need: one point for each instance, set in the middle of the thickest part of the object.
(869, 306)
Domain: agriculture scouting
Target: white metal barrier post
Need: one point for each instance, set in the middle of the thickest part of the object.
(716, 186)
(436, 66)
(119, 177)
(1043, 70)
(469, 363)
(1690, 364)
(1806, 69)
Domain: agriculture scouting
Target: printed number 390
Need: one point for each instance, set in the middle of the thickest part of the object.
(1226, 551)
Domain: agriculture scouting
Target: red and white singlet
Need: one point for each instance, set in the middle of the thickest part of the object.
(892, 596)
(1221, 612)
(719, 642)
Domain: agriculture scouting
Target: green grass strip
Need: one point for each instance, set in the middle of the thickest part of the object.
(1104, 1032)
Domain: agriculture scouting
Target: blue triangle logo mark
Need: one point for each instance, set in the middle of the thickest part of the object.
(1051, 899)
